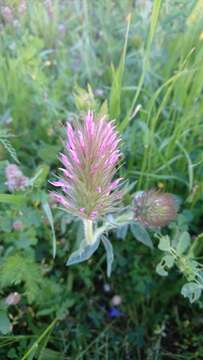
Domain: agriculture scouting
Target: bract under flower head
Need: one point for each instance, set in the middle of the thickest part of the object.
(89, 165)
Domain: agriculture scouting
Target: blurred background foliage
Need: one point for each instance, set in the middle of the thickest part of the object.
(141, 63)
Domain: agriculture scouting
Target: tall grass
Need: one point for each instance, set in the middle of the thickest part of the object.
(161, 72)
(174, 113)
(165, 137)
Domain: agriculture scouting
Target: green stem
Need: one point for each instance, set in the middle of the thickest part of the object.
(88, 229)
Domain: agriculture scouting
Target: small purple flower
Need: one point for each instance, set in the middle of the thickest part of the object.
(154, 209)
(7, 14)
(15, 178)
(114, 312)
(61, 28)
(89, 166)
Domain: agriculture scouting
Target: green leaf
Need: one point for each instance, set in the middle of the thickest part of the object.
(183, 243)
(40, 177)
(84, 98)
(8, 146)
(109, 254)
(83, 253)
(48, 153)
(168, 260)
(160, 270)
(31, 217)
(166, 263)
(192, 291)
(49, 354)
(103, 109)
(26, 239)
(48, 213)
(121, 232)
(164, 243)
(141, 234)
(64, 307)
(5, 325)
(18, 268)
(12, 199)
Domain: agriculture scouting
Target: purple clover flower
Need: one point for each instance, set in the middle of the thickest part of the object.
(89, 165)
(15, 178)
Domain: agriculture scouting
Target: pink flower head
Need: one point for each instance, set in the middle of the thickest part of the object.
(89, 166)
(15, 178)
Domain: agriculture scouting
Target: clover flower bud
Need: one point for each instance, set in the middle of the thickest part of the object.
(61, 28)
(116, 300)
(17, 225)
(13, 298)
(89, 165)
(15, 178)
(154, 209)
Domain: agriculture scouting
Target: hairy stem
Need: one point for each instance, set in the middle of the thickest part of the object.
(88, 229)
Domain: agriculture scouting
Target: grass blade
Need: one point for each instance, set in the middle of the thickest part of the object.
(48, 213)
(116, 89)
